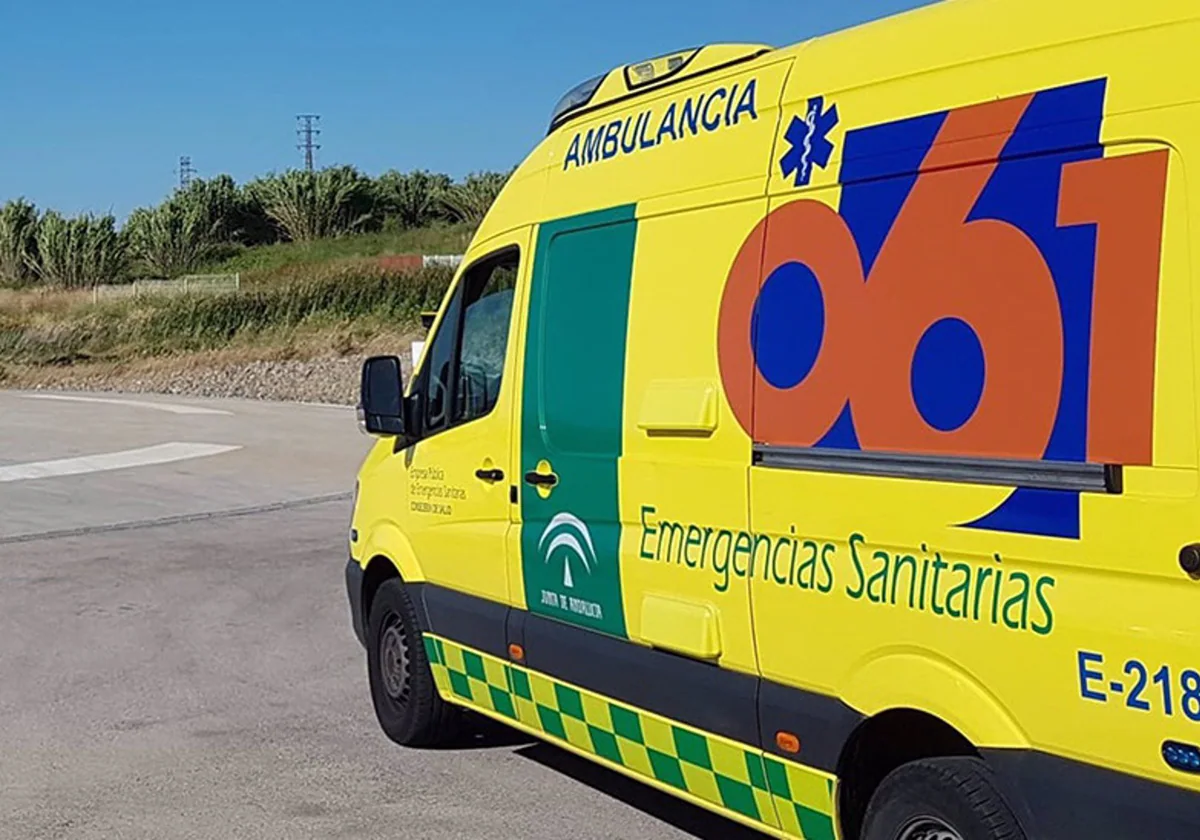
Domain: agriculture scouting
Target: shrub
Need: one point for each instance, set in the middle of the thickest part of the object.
(18, 243)
(313, 205)
(413, 199)
(217, 201)
(79, 252)
(470, 200)
(175, 238)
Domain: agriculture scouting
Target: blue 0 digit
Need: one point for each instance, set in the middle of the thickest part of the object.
(1135, 701)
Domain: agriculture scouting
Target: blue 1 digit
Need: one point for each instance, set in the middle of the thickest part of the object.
(1163, 678)
(1135, 701)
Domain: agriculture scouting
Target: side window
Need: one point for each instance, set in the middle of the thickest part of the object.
(485, 339)
(466, 359)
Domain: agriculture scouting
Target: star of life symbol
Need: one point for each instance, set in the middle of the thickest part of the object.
(568, 537)
(808, 141)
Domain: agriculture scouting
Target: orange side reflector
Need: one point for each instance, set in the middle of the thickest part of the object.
(787, 742)
(516, 652)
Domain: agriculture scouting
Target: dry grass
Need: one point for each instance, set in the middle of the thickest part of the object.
(26, 304)
(356, 302)
(263, 260)
(293, 273)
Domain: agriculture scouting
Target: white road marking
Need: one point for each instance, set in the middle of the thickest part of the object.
(170, 408)
(164, 453)
(337, 406)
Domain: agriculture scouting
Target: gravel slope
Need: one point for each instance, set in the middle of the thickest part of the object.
(328, 380)
(324, 379)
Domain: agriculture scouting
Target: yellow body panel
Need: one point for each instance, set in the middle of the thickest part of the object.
(1081, 645)
(676, 480)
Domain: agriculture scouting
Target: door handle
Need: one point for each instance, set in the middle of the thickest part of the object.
(490, 475)
(538, 479)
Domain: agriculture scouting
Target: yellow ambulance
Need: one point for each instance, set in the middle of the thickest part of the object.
(811, 433)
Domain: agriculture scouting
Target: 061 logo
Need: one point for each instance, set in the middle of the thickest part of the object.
(987, 288)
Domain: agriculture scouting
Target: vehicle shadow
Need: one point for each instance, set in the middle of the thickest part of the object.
(479, 732)
(689, 818)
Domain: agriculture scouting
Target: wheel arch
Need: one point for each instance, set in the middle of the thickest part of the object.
(883, 743)
(390, 555)
(378, 571)
(916, 706)
(921, 680)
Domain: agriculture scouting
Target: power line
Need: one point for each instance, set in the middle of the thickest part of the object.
(307, 131)
(186, 171)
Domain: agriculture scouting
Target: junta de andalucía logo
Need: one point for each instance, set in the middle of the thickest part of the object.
(567, 537)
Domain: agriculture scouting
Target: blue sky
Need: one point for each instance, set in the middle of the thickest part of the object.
(101, 98)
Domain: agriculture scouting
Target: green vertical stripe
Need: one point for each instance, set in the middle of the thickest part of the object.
(572, 412)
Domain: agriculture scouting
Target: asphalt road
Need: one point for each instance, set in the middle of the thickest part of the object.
(176, 659)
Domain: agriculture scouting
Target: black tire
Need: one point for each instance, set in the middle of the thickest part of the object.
(940, 799)
(407, 703)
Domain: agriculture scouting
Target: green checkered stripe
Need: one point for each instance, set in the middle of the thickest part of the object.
(783, 796)
(803, 799)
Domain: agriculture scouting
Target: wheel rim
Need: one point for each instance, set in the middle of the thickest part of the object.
(928, 828)
(393, 660)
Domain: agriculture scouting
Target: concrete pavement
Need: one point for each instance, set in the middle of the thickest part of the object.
(176, 659)
(277, 453)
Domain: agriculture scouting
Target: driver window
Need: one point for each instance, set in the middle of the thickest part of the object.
(440, 369)
(466, 359)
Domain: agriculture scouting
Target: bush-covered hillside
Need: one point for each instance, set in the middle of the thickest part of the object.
(289, 260)
(270, 222)
(67, 328)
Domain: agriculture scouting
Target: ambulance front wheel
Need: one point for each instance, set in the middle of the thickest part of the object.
(940, 799)
(406, 700)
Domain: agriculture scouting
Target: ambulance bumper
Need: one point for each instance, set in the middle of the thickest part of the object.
(1063, 799)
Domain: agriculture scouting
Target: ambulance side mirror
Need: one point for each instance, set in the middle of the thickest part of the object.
(381, 403)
